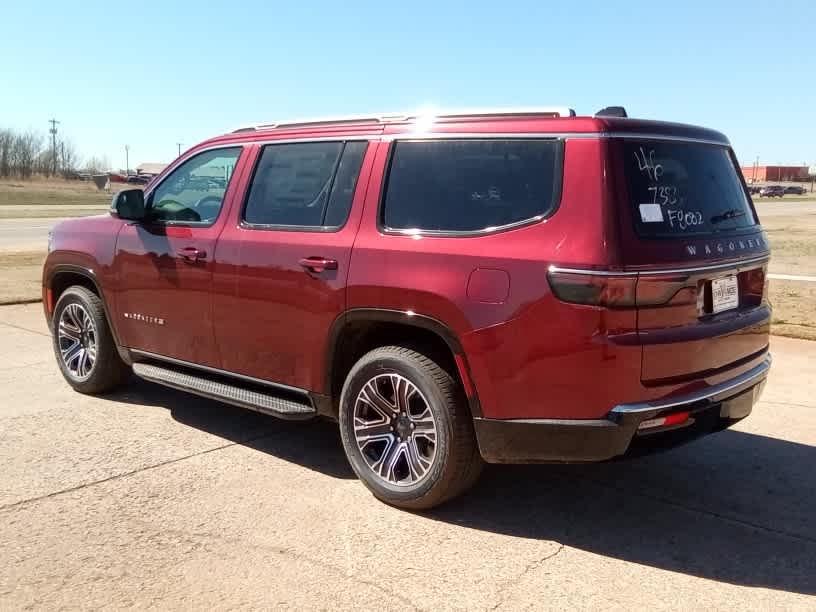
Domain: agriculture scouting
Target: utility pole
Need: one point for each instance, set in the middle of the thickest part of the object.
(127, 160)
(53, 132)
(178, 144)
(756, 167)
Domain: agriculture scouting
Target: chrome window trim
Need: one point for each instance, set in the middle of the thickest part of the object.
(749, 378)
(196, 366)
(487, 231)
(723, 266)
(174, 165)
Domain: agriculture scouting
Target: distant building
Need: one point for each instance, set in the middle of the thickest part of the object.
(151, 169)
(756, 174)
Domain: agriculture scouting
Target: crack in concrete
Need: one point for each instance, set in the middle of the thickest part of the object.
(534, 565)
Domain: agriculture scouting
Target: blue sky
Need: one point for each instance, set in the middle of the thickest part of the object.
(151, 74)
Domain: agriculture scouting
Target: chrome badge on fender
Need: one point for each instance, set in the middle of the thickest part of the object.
(144, 318)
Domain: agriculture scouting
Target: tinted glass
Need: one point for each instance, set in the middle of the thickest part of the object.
(194, 192)
(291, 184)
(344, 184)
(682, 189)
(469, 185)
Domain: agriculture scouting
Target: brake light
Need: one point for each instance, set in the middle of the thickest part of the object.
(607, 290)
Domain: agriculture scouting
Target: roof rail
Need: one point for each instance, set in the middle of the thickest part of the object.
(551, 111)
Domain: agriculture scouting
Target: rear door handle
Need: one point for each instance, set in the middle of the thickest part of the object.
(318, 264)
(191, 254)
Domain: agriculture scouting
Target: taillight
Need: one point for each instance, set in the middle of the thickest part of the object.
(607, 290)
(619, 290)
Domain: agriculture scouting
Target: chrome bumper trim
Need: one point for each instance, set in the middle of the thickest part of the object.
(748, 379)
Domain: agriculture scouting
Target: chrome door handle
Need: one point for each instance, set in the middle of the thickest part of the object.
(318, 264)
(191, 254)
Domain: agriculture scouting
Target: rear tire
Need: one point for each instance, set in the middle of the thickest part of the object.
(407, 430)
(83, 344)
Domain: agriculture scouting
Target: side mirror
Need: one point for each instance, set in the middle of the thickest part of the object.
(128, 204)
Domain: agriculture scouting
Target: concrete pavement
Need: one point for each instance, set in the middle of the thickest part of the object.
(152, 498)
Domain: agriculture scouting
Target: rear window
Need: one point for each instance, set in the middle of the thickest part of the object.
(680, 189)
(470, 185)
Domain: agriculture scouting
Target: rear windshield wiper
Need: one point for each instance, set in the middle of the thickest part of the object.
(731, 213)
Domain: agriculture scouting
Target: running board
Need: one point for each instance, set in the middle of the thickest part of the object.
(225, 392)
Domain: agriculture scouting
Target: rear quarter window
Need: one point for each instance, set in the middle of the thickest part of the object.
(453, 186)
(680, 189)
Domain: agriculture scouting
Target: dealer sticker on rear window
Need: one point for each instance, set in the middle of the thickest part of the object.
(651, 213)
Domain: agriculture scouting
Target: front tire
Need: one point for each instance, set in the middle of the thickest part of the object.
(407, 430)
(83, 344)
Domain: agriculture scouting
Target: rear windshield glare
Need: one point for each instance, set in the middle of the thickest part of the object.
(682, 189)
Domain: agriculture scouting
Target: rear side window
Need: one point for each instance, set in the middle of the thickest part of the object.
(681, 189)
(304, 184)
(471, 185)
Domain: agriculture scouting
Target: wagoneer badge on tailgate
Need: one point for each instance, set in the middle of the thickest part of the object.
(722, 247)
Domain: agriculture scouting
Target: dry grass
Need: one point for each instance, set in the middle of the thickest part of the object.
(44, 197)
(794, 306)
(793, 241)
(20, 279)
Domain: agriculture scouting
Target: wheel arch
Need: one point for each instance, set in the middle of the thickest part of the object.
(63, 276)
(359, 330)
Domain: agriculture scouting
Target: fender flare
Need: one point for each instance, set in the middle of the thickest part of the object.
(91, 276)
(409, 318)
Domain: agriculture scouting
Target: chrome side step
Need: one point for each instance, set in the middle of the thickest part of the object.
(225, 392)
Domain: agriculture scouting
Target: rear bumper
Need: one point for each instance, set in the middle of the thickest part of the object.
(556, 440)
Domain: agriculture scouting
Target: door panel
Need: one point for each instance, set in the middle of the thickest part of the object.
(277, 290)
(164, 264)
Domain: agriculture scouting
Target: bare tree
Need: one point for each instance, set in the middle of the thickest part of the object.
(97, 165)
(68, 158)
(26, 148)
(6, 143)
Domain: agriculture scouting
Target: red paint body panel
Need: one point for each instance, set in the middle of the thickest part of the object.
(155, 281)
(251, 308)
(266, 303)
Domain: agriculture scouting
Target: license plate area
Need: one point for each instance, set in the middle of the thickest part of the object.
(724, 293)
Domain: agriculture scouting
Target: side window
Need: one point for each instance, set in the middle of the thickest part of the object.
(304, 184)
(470, 185)
(194, 192)
(344, 184)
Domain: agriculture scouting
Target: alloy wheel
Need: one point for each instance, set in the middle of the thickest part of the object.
(395, 429)
(76, 333)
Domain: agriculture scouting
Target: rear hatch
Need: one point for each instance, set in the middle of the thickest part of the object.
(688, 226)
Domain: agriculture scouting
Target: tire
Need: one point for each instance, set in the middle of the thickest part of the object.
(103, 368)
(452, 462)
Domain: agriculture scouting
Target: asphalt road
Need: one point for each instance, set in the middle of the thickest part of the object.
(26, 234)
(151, 498)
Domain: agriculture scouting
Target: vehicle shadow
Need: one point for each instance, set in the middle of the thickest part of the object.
(734, 507)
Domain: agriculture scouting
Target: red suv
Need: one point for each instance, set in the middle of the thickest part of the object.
(509, 287)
